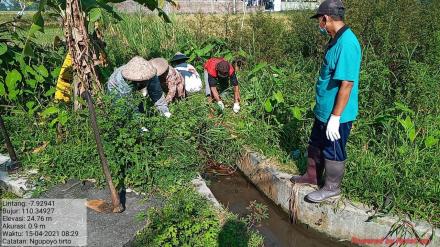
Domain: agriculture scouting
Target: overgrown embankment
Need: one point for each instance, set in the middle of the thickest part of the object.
(394, 144)
(393, 150)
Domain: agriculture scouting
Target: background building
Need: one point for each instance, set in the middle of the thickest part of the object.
(227, 6)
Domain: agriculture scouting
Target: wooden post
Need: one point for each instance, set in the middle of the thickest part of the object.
(84, 59)
(117, 206)
(15, 164)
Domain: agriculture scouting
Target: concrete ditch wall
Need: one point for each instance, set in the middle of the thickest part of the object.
(340, 219)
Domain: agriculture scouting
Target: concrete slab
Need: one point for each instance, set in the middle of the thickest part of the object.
(4, 161)
(112, 230)
(103, 230)
(341, 218)
(201, 187)
(15, 183)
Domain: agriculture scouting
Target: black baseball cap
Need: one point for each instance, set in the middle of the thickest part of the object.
(179, 57)
(330, 7)
(222, 69)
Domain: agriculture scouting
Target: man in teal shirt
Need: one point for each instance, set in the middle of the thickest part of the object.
(336, 103)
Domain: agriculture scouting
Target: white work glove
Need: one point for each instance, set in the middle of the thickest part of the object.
(333, 128)
(144, 91)
(167, 114)
(236, 107)
(221, 105)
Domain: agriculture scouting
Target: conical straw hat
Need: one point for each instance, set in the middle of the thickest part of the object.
(160, 64)
(138, 69)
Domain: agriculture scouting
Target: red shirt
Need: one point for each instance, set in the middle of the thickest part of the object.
(212, 63)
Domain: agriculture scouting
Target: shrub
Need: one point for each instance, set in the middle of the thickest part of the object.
(187, 219)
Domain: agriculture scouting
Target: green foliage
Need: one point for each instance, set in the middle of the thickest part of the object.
(169, 153)
(257, 213)
(187, 219)
(26, 82)
(6, 195)
(235, 233)
(395, 140)
(213, 47)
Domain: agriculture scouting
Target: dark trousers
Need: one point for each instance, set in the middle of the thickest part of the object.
(154, 89)
(330, 150)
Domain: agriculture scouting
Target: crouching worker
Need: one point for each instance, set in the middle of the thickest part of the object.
(171, 80)
(193, 82)
(138, 75)
(218, 75)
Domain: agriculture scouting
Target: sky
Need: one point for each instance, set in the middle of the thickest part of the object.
(7, 2)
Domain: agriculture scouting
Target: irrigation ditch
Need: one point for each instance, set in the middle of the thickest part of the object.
(235, 193)
(339, 219)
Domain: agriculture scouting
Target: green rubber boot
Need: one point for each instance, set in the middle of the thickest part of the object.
(334, 171)
(314, 168)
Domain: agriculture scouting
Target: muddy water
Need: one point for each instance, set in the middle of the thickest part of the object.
(235, 193)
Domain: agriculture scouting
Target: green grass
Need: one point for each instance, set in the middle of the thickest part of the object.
(6, 194)
(9, 15)
(52, 27)
(48, 37)
(26, 19)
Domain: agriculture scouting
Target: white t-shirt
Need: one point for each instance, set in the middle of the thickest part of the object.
(193, 83)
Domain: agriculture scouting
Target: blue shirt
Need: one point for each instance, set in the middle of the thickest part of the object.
(342, 62)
